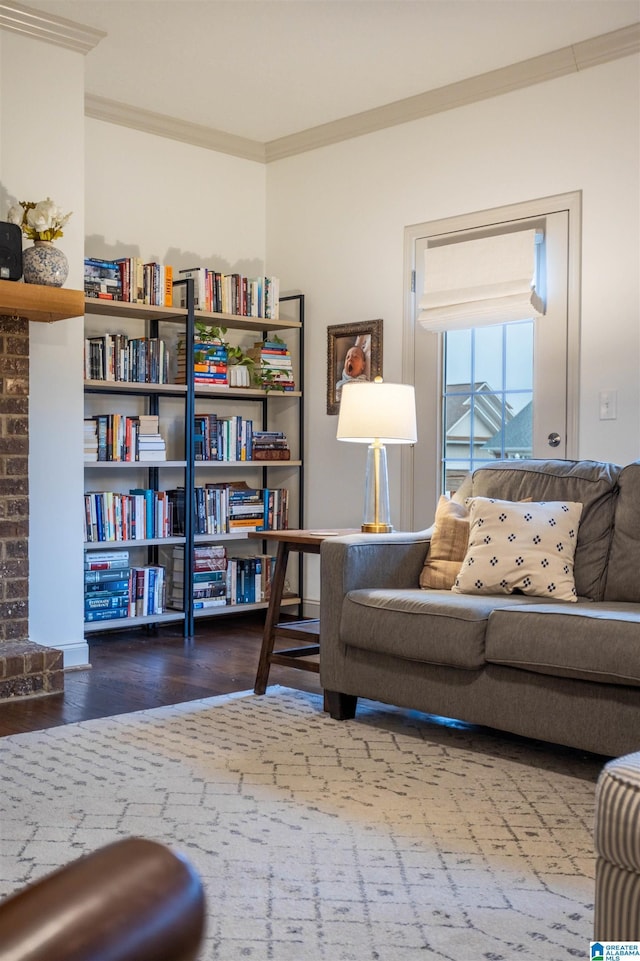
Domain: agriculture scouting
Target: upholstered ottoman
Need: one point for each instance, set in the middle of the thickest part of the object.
(617, 842)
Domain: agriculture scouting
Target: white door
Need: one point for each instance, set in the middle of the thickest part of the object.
(493, 392)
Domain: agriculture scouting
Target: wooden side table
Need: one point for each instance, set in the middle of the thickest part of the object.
(306, 542)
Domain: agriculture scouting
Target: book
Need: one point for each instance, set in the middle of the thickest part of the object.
(122, 557)
(107, 588)
(102, 279)
(107, 615)
(106, 576)
(92, 603)
(199, 605)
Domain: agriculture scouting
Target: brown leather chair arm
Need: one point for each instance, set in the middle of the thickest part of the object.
(131, 901)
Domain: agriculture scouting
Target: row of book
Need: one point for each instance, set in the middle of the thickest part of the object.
(119, 437)
(114, 590)
(220, 293)
(116, 357)
(146, 360)
(221, 437)
(142, 514)
(220, 580)
(131, 279)
(145, 514)
(233, 508)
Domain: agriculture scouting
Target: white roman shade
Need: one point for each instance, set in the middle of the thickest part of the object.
(480, 282)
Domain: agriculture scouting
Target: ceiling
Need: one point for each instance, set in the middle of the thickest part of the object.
(269, 69)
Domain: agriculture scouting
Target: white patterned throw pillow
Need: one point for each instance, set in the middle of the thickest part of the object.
(526, 547)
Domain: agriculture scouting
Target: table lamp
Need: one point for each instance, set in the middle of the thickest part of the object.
(377, 414)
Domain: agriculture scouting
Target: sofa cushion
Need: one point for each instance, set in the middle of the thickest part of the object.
(590, 483)
(623, 582)
(448, 545)
(436, 627)
(594, 642)
(525, 547)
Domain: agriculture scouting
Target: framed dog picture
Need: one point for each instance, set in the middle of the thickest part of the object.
(354, 355)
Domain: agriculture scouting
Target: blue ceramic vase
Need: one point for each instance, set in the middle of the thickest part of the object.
(44, 264)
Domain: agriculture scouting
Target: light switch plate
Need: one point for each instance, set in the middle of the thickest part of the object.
(608, 404)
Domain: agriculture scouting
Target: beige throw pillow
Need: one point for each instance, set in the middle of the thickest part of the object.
(528, 547)
(448, 546)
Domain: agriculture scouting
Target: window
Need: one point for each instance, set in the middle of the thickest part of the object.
(489, 390)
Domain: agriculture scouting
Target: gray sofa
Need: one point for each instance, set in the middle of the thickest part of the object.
(559, 671)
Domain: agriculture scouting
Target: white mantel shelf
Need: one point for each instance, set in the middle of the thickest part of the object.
(41, 304)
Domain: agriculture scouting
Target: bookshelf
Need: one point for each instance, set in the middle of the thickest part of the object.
(176, 406)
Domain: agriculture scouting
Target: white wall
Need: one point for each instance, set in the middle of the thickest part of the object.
(335, 223)
(168, 201)
(42, 138)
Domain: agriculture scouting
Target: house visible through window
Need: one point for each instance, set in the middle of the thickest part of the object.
(487, 398)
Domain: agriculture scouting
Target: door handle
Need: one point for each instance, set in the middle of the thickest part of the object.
(554, 439)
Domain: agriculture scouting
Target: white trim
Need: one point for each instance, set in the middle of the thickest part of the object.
(430, 433)
(556, 63)
(111, 111)
(75, 654)
(43, 26)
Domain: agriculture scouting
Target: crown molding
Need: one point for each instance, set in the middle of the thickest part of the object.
(41, 26)
(111, 111)
(557, 63)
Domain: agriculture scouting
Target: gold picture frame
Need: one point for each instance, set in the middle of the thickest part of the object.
(354, 354)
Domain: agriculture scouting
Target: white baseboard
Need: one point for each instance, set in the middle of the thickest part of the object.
(311, 608)
(75, 654)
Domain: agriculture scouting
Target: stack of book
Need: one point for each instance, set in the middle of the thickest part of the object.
(106, 585)
(130, 279)
(246, 506)
(270, 445)
(90, 440)
(209, 577)
(209, 364)
(275, 366)
(102, 279)
(150, 443)
(147, 590)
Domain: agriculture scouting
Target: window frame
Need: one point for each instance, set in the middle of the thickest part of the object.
(430, 429)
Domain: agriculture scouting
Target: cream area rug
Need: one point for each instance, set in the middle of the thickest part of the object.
(390, 837)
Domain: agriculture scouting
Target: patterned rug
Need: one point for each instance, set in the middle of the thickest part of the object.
(387, 838)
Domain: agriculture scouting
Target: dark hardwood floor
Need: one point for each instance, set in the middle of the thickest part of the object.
(135, 670)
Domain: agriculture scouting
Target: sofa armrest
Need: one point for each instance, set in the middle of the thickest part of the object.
(361, 561)
(134, 900)
(372, 560)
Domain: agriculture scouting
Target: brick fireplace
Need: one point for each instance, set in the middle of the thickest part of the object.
(26, 669)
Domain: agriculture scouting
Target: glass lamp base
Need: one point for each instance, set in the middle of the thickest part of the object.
(377, 516)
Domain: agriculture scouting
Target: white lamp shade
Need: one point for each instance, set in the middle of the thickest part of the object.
(378, 412)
